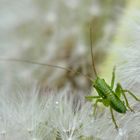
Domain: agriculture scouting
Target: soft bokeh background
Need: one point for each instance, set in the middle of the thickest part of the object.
(57, 32)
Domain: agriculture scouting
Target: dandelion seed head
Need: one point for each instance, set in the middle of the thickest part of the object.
(129, 70)
(70, 117)
(43, 116)
(24, 112)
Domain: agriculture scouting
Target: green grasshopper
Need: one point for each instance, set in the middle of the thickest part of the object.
(111, 98)
(106, 95)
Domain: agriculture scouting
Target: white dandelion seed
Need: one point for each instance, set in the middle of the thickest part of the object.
(34, 115)
(23, 116)
(70, 121)
(129, 71)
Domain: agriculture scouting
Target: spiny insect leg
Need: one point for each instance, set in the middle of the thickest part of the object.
(136, 98)
(123, 93)
(113, 78)
(127, 103)
(113, 118)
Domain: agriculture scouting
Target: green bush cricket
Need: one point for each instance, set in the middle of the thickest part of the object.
(106, 95)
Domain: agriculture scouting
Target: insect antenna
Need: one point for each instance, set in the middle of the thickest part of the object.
(60, 67)
(44, 64)
(91, 50)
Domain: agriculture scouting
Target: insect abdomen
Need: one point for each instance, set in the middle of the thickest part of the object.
(116, 103)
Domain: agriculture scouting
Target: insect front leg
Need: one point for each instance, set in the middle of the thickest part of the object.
(104, 101)
(113, 118)
(90, 98)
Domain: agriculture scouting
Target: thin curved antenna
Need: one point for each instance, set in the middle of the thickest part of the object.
(44, 64)
(91, 50)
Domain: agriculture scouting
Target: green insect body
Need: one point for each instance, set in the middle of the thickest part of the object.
(108, 95)
(111, 98)
(116, 103)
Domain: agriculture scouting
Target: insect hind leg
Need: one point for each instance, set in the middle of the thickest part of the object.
(134, 96)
